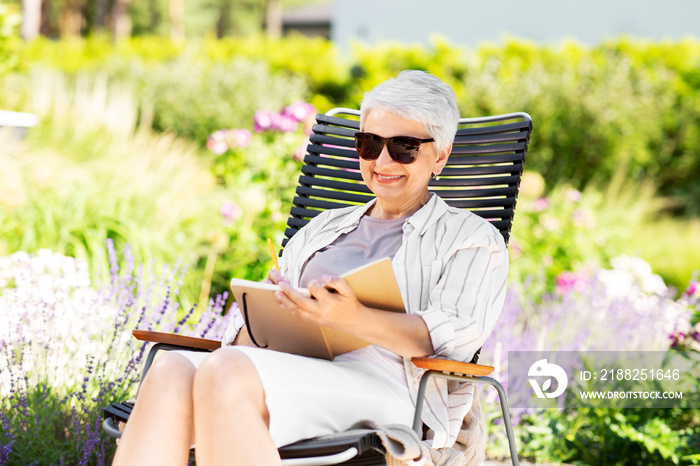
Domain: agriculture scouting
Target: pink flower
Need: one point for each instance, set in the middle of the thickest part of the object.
(584, 218)
(225, 139)
(693, 289)
(541, 204)
(240, 137)
(264, 120)
(574, 195)
(230, 211)
(571, 281)
(285, 123)
(216, 142)
(299, 111)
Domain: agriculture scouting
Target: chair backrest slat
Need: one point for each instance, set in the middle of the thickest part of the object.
(457, 159)
(476, 170)
(353, 175)
(489, 149)
(353, 198)
(482, 174)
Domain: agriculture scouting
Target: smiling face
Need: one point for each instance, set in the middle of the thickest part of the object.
(401, 189)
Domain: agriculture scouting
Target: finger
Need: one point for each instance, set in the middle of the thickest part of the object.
(286, 303)
(338, 284)
(293, 295)
(318, 290)
(276, 277)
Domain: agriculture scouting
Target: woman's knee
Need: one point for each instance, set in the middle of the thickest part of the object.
(170, 373)
(227, 376)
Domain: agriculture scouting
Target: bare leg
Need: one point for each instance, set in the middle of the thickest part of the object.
(160, 429)
(231, 418)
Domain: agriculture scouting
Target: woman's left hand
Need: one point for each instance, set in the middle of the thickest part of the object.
(333, 303)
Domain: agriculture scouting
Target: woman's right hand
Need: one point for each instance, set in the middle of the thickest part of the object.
(243, 338)
(274, 276)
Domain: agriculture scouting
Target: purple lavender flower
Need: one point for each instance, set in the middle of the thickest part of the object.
(66, 341)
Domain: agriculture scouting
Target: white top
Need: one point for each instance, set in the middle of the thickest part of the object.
(452, 269)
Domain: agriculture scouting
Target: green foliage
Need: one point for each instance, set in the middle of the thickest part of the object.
(9, 39)
(592, 434)
(313, 59)
(234, 90)
(86, 174)
(94, 169)
(571, 230)
(261, 178)
(608, 436)
(180, 88)
(621, 105)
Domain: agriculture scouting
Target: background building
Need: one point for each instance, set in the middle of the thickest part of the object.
(470, 22)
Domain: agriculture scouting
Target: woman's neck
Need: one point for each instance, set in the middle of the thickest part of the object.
(389, 211)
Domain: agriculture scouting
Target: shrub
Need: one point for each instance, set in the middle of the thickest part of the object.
(9, 39)
(194, 98)
(86, 173)
(623, 308)
(560, 229)
(260, 169)
(621, 103)
(67, 350)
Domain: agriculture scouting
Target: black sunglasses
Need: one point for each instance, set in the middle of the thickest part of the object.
(402, 149)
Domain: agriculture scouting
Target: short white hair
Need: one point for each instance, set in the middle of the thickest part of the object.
(418, 96)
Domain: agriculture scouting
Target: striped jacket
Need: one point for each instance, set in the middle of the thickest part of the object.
(452, 269)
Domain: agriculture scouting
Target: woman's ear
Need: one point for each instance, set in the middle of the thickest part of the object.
(442, 158)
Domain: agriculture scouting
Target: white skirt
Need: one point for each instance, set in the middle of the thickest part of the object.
(309, 397)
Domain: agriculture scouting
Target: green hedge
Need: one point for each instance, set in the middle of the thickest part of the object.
(623, 103)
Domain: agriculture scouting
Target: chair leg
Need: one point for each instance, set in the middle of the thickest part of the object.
(465, 378)
(506, 414)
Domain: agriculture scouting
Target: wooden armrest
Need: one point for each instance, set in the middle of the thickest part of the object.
(179, 340)
(448, 365)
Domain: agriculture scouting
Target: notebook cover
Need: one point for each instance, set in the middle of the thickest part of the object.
(271, 326)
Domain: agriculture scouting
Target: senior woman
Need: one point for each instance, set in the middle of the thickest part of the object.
(239, 403)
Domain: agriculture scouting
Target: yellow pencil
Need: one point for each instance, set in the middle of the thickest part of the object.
(272, 253)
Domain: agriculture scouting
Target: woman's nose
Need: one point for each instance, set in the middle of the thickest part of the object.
(384, 157)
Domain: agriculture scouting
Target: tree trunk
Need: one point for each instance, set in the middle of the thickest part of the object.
(223, 24)
(71, 19)
(99, 14)
(31, 18)
(120, 19)
(156, 16)
(47, 27)
(177, 15)
(273, 18)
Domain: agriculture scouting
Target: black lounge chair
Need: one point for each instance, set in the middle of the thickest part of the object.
(482, 175)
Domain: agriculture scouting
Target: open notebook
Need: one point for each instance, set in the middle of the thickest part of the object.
(270, 326)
